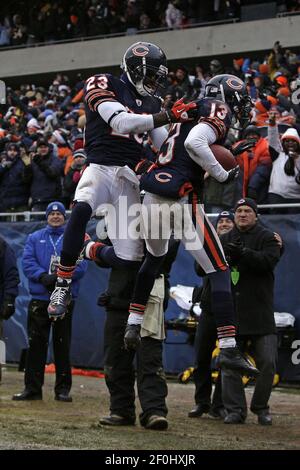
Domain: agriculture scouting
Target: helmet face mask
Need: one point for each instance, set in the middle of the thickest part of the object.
(146, 68)
(232, 90)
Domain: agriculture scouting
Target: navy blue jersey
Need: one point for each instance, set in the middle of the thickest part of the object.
(176, 169)
(102, 144)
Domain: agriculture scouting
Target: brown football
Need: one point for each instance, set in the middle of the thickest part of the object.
(224, 156)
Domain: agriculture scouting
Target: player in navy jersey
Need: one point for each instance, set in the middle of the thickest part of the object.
(118, 111)
(180, 168)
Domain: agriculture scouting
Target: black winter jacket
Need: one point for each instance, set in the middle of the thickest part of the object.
(254, 290)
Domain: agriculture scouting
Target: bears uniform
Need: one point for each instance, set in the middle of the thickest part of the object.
(118, 111)
(224, 94)
(103, 145)
(176, 173)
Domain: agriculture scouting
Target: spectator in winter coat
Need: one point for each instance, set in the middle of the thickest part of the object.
(252, 253)
(173, 15)
(255, 167)
(44, 172)
(40, 261)
(14, 191)
(285, 176)
(74, 174)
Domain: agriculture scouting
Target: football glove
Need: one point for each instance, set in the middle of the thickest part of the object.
(242, 146)
(231, 175)
(181, 112)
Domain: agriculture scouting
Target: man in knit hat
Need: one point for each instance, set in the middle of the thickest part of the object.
(40, 261)
(252, 253)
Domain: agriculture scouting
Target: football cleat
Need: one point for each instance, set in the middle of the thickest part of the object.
(60, 299)
(231, 358)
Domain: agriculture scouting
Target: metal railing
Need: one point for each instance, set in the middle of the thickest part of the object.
(28, 216)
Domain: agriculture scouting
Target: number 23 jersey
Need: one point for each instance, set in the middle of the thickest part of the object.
(103, 145)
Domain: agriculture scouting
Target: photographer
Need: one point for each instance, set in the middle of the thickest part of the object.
(43, 171)
(73, 176)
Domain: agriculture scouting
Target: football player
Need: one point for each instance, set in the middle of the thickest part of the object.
(182, 162)
(118, 112)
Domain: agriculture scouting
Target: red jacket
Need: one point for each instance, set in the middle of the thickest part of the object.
(250, 160)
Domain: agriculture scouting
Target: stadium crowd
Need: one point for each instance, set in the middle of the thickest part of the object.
(48, 21)
(41, 135)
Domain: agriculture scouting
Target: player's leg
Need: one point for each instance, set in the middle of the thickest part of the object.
(206, 248)
(157, 239)
(123, 225)
(93, 188)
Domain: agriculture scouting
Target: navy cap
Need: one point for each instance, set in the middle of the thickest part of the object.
(56, 206)
(225, 215)
(246, 201)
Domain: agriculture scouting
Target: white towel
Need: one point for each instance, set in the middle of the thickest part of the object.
(153, 322)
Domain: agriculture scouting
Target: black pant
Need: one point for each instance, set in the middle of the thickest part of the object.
(205, 343)
(38, 325)
(120, 372)
(264, 351)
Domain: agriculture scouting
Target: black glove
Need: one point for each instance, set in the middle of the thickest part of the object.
(37, 158)
(103, 299)
(48, 280)
(289, 167)
(8, 308)
(242, 146)
(144, 166)
(232, 174)
(234, 250)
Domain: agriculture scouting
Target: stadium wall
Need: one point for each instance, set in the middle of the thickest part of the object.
(88, 320)
(191, 43)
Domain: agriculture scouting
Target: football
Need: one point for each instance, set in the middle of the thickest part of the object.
(224, 156)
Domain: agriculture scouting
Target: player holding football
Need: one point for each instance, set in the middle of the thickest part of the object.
(118, 111)
(177, 173)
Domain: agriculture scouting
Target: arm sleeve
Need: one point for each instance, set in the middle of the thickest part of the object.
(31, 267)
(116, 115)
(158, 136)
(197, 145)
(274, 142)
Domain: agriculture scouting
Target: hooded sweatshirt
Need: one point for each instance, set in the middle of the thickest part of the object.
(281, 183)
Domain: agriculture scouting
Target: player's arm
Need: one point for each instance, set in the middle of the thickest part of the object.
(158, 136)
(198, 144)
(116, 115)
